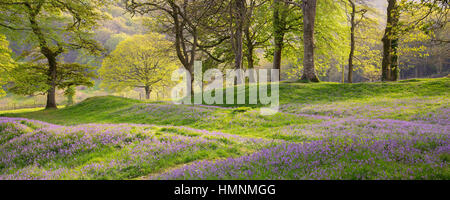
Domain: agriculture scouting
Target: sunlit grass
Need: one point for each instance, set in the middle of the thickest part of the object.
(345, 123)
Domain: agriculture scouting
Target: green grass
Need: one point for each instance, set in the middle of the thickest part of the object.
(305, 93)
(404, 100)
(308, 98)
(327, 92)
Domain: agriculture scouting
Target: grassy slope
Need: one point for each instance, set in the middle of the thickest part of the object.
(99, 109)
(316, 99)
(299, 98)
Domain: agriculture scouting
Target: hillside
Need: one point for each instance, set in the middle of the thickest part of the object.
(379, 130)
(298, 98)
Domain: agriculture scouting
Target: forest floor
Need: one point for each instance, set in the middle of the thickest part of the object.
(323, 131)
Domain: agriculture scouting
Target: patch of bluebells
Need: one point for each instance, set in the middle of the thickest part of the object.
(383, 108)
(348, 143)
(352, 158)
(140, 156)
(440, 116)
(137, 147)
(366, 128)
(348, 148)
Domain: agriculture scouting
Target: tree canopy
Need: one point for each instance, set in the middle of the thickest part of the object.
(54, 26)
(141, 61)
(32, 78)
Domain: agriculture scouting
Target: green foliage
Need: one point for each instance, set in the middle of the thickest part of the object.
(6, 62)
(139, 61)
(31, 79)
(60, 25)
(331, 39)
(368, 36)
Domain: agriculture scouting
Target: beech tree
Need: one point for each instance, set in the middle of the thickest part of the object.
(309, 17)
(141, 61)
(182, 21)
(54, 26)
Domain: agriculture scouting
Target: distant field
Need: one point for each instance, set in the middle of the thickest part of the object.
(323, 131)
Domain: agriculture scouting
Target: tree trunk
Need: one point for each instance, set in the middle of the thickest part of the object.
(390, 35)
(248, 36)
(51, 92)
(395, 71)
(250, 48)
(417, 71)
(309, 15)
(279, 26)
(148, 91)
(238, 13)
(185, 55)
(386, 63)
(352, 42)
(49, 54)
(250, 59)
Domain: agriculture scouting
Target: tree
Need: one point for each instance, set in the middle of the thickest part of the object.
(309, 17)
(280, 12)
(141, 61)
(238, 12)
(54, 26)
(32, 78)
(6, 62)
(256, 29)
(181, 21)
(420, 15)
(390, 39)
(354, 22)
(285, 20)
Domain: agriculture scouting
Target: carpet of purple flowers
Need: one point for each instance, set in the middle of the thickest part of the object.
(338, 148)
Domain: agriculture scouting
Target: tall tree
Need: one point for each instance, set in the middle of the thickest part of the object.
(181, 20)
(280, 12)
(256, 33)
(423, 15)
(238, 12)
(141, 61)
(354, 22)
(309, 8)
(54, 26)
(390, 40)
(309, 17)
